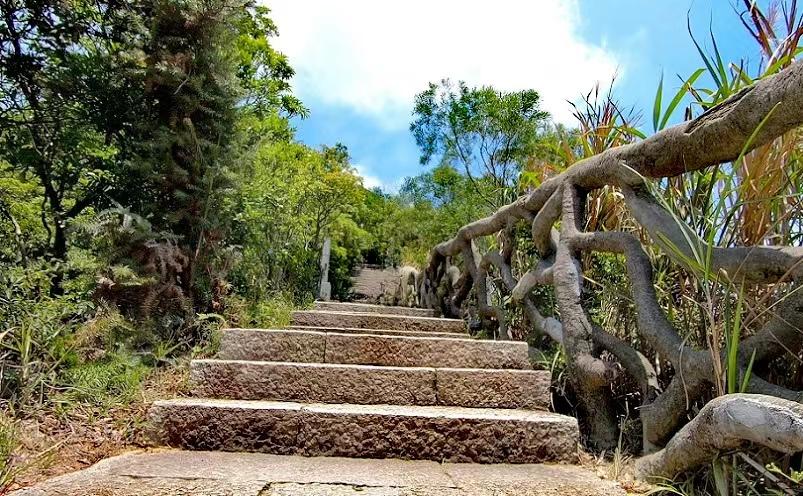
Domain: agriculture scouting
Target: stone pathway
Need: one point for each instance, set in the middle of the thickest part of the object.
(207, 473)
(366, 390)
(369, 282)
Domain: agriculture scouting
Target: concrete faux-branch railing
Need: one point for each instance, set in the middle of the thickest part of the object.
(750, 118)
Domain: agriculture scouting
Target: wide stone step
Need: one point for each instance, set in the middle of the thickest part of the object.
(216, 473)
(319, 318)
(392, 332)
(371, 349)
(336, 306)
(368, 384)
(451, 434)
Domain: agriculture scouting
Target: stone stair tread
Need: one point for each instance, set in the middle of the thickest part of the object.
(209, 473)
(442, 433)
(337, 306)
(387, 315)
(369, 384)
(395, 332)
(426, 411)
(326, 318)
(371, 349)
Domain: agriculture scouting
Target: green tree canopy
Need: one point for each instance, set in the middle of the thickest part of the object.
(487, 133)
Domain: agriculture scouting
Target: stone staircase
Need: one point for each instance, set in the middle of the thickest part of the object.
(363, 381)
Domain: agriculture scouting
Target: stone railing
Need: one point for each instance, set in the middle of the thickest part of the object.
(753, 117)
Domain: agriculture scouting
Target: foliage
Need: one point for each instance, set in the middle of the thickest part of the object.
(68, 79)
(488, 133)
(152, 190)
(292, 199)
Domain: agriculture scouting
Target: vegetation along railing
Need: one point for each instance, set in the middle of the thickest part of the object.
(555, 213)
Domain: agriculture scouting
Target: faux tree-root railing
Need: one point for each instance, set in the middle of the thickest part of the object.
(751, 118)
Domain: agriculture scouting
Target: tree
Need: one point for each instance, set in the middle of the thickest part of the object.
(264, 73)
(69, 91)
(292, 199)
(488, 133)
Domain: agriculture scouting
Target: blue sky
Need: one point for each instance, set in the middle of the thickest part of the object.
(360, 63)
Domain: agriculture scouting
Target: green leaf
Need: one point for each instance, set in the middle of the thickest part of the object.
(656, 109)
(733, 344)
(703, 56)
(747, 373)
(679, 96)
(723, 73)
(755, 132)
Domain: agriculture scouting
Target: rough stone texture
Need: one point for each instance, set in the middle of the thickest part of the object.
(370, 431)
(296, 489)
(110, 485)
(324, 383)
(425, 352)
(450, 434)
(372, 282)
(393, 332)
(334, 306)
(370, 349)
(368, 384)
(266, 344)
(315, 318)
(226, 425)
(494, 388)
(169, 473)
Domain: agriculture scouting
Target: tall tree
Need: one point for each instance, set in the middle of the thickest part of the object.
(69, 86)
(487, 133)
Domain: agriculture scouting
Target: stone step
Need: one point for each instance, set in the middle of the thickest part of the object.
(369, 384)
(371, 349)
(357, 330)
(336, 306)
(318, 318)
(451, 434)
(215, 473)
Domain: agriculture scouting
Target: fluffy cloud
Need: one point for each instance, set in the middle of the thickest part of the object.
(369, 180)
(373, 55)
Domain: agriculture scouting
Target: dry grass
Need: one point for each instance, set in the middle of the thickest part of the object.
(53, 443)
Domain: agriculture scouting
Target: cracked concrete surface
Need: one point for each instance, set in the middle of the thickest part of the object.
(169, 472)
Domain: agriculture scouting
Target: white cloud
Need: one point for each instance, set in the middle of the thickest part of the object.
(374, 55)
(369, 180)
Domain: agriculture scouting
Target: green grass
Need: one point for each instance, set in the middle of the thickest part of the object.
(110, 381)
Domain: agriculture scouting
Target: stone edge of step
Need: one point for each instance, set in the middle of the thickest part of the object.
(404, 311)
(424, 411)
(367, 332)
(392, 332)
(370, 384)
(380, 315)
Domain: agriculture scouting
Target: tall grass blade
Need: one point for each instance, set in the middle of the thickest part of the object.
(747, 374)
(678, 97)
(703, 56)
(656, 109)
(733, 345)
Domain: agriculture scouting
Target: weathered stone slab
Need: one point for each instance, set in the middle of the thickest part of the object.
(368, 384)
(370, 349)
(425, 352)
(226, 425)
(323, 383)
(316, 318)
(479, 388)
(198, 473)
(392, 332)
(334, 306)
(266, 344)
(110, 485)
(450, 434)
(368, 431)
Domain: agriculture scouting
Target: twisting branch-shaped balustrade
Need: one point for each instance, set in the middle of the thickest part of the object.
(750, 118)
